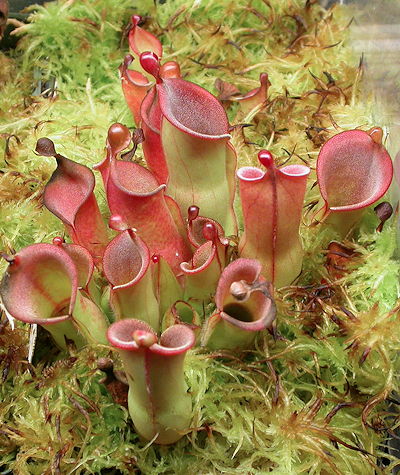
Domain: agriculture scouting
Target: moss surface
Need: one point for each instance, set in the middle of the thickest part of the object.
(310, 402)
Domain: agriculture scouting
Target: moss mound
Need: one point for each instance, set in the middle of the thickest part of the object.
(315, 400)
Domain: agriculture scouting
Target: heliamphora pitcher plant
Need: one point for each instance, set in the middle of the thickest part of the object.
(174, 258)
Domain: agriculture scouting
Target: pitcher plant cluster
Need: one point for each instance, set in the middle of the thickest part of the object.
(174, 268)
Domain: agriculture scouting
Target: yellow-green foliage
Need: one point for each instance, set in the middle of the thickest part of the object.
(306, 403)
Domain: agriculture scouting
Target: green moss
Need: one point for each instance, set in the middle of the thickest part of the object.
(59, 33)
(265, 412)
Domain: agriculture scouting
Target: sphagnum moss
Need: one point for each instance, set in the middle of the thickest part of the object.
(306, 403)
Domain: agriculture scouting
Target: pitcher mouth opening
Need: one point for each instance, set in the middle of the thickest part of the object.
(238, 312)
